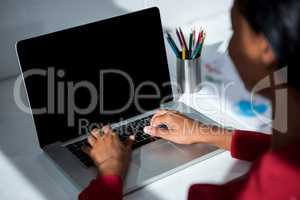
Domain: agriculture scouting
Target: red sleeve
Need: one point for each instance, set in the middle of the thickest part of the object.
(104, 187)
(228, 191)
(274, 176)
(247, 145)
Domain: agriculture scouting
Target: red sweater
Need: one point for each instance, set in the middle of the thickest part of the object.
(274, 175)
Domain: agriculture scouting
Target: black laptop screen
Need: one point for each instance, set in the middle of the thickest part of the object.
(100, 72)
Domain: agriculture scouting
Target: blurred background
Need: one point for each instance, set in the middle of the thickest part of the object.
(21, 19)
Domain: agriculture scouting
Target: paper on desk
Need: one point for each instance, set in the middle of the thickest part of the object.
(224, 94)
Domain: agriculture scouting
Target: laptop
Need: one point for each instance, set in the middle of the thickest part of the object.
(115, 72)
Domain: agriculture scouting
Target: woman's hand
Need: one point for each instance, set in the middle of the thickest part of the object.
(179, 129)
(183, 130)
(109, 154)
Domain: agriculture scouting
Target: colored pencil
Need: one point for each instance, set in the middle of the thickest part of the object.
(183, 39)
(174, 48)
(183, 53)
(198, 51)
(195, 44)
(173, 42)
(190, 45)
(179, 38)
(194, 38)
(198, 40)
(203, 38)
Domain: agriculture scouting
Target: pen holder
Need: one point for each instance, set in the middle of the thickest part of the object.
(188, 75)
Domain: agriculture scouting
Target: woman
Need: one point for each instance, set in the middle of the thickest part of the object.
(265, 39)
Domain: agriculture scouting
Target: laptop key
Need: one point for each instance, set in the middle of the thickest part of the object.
(133, 128)
(142, 142)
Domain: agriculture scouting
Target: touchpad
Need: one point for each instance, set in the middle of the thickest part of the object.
(158, 157)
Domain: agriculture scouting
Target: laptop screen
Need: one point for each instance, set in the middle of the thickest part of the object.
(106, 72)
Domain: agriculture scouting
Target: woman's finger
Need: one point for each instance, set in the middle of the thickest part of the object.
(165, 119)
(112, 136)
(130, 141)
(106, 129)
(157, 132)
(91, 140)
(86, 149)
(96, 133)
(158, 113)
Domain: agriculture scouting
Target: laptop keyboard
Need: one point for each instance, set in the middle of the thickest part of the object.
(75, 149)
(134, 128)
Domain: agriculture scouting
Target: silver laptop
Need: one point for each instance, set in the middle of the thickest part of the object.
(115, 72)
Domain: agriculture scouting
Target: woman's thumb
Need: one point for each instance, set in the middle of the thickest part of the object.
(130, 141)
(155, 131)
